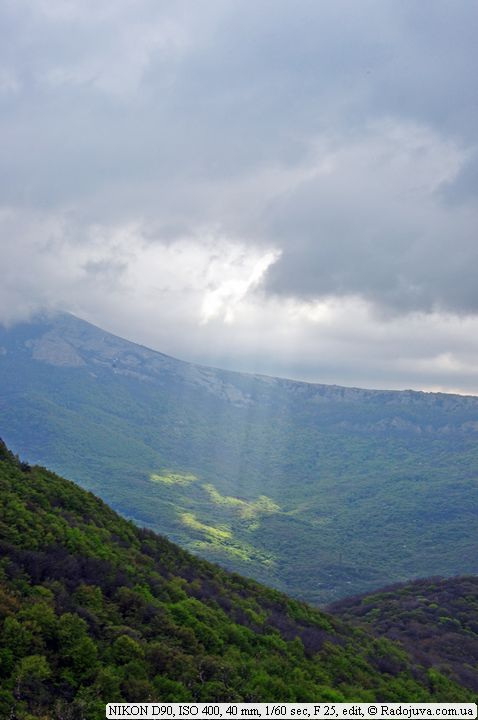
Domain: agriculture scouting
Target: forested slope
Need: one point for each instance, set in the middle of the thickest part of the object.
(93, 610)
(435, 619)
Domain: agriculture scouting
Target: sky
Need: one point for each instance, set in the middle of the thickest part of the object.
(280, 187)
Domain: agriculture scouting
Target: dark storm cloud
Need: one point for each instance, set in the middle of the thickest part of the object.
(380, 230)
(341, 133)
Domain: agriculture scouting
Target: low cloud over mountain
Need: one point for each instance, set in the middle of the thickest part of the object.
(249, 184)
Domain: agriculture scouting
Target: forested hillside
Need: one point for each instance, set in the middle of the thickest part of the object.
(435, 619)
(94, 610)
(317, 490)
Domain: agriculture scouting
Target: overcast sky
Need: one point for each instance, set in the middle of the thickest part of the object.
(275, 186)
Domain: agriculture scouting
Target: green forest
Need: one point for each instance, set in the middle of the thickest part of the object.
(95, 610)
(435, 619)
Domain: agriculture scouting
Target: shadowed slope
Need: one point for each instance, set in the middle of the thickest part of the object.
(435, 620)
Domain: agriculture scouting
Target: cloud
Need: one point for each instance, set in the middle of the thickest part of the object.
(219, 171)
(372, 222)
(201, 299)
(227, 293)
(463, 189)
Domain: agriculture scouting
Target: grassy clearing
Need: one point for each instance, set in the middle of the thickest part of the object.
(173, 478)
(246, 509)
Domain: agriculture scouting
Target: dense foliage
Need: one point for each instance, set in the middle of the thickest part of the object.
(94, 610)
(316, 490)
(436, 620)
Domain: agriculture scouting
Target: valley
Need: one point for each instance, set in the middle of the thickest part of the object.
(95, 610)
(317, 490)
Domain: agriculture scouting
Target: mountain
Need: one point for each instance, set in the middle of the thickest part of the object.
(435, 620)
(320, 491)
(95, 610)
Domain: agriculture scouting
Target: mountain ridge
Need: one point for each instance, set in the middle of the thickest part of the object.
(246, 469)
(69, 320)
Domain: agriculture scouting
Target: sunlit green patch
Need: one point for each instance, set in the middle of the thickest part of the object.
(220, 539)
(173, 478)
(200, 546)
(242, 551)
(218, 533)
(246, 509)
